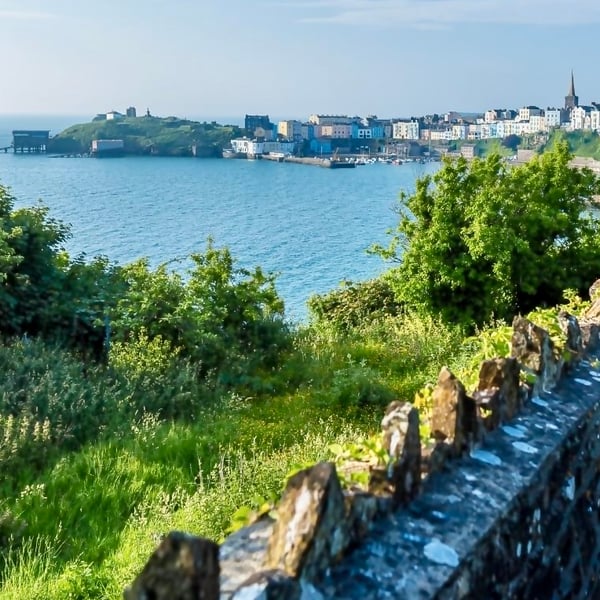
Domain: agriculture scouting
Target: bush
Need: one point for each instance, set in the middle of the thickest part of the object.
(488, 240)
(355, 304)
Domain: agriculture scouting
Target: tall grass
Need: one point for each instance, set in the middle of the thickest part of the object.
(107, 461)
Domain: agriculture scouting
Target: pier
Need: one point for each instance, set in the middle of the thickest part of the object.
(327, 163)
(30, 140)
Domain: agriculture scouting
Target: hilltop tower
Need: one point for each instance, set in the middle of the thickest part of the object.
(571, 100)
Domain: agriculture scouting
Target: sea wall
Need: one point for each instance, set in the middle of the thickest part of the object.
(503, 504)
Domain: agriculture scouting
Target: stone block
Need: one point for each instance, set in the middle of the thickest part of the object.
(533, 348)
(362, 509)
(311, 531)
(454, 414)
(590, 333)
(269, 585)
(401, 440)
(498, 391)
(574, 338)
(183, 567)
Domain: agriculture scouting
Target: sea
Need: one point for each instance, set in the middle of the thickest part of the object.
(308, 225)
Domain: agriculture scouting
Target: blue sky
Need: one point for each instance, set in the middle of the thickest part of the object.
(290, 58)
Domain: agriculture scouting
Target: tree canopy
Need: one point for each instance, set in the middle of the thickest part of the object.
(485, 239)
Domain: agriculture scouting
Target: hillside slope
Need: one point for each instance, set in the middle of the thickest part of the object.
(168, 136)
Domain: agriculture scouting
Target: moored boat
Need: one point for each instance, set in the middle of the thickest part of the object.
(231, 153)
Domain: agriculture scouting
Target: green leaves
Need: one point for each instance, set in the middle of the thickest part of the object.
(482, 240)
(226, 320)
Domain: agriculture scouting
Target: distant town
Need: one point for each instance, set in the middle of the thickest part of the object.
(325, 140)
(327, 134)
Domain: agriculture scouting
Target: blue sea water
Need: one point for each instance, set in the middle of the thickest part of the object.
(309, 225)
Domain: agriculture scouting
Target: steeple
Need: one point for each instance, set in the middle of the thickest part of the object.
(572, 88)
(571, 100)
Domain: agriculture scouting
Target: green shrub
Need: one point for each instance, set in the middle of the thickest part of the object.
(483, 240)
(355, 304)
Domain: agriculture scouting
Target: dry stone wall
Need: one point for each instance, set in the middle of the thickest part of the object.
(504, 505)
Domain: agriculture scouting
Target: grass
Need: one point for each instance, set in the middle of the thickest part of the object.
(83, 518)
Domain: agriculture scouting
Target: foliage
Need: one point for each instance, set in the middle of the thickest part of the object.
(149, 135)
(356, 386)
(354, 304)
(226, 320)
(511, 141)
(44, 292)
(584, 143)
(487, 240)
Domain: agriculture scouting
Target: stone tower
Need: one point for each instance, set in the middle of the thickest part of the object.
(571, 100)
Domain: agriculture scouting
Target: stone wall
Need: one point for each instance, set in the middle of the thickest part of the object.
(504, 504)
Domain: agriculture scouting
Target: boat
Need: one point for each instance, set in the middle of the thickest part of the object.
(335, 162)
(231, 153)
(339, 164)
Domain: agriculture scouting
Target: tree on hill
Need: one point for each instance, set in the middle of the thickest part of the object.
(511, 141)
(482, 239)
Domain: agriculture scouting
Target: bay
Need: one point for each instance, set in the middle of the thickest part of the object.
(310, 226)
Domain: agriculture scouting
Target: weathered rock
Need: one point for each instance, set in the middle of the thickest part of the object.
(243, 553)
(438, 457)
(532, 347)
(590, 323)
(362, 509)
(380, 483)
(269, 585)
(454, 414)
(590, 333)
(594, 291)
(310, 532)
(574, 343)
(183, 567)
(498, 390)
(400, 427)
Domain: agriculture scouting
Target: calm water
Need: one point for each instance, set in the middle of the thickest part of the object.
(309, 225)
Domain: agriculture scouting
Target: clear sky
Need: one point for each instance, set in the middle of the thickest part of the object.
(290, 58)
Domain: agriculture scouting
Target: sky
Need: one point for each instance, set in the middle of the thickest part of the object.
(215, 59)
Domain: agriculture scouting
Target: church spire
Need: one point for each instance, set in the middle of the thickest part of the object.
(571, 100)
(572, 88)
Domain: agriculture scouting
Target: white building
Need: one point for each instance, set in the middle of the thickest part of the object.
(527, 112)
(330, 120)
(595, 119)
(253, 148)
(553, 117)
(247, 146)
(405, 130)
(580, 118)
(459, 132)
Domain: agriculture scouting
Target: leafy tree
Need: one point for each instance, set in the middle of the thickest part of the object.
(511, 141)
(42, 290)
(484, 239)
(226, 319)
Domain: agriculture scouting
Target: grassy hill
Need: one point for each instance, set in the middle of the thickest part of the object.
(168, 136)
(581, 143)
